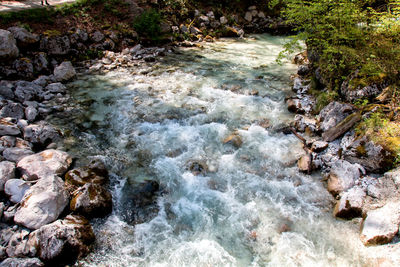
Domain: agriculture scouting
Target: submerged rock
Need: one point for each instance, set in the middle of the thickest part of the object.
(234, 139)
(46, 163)
(42, 203)
(381, 225)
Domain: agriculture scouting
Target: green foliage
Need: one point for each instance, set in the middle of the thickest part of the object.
(148, 24)
(323, 98)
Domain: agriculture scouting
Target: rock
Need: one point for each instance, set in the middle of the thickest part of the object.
(215, 24)
(40, 63)
(15, 154)
(305, 124)
(223, 20)
(21, 262)
(83, 35)
(352, 93)
(342, 176)
(211, 15)
(42, 81)
(6, 92)
(195, 30)
(41, 134)
(333, 114)
(19, 245)
(230, 32)
(342, 127)
(381, 188)
(251, 8)
(373, 157)
(299, 59)
(302, 105)
(305, 163)
(8, 128)
(42, 203)
(184, 29)
(8, 45)
(248, 16)
(303, 70)
(300, 86)
(12, 110)
(204, 19)
(7, 172)
(56, 88)
(24, 67)
(23, 37)
(394, 175)
(319, 146)
(381, 225)
(15, 189)
(97, 37)
(234, 139)
(138, 201)
(91, 200)
(197, 167)
(350, 204)
(64, 72)
(26, 91)
(55, 45)
(261, 15)
(64, 240)
(46, 163)
(109, 44)
(31, 113)
(96, 174)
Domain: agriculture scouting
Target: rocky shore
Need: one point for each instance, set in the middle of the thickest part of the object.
(353, 166)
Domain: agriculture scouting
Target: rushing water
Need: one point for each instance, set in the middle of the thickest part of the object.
(249, 206)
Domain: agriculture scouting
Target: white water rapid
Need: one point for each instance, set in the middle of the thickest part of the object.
(247, 204)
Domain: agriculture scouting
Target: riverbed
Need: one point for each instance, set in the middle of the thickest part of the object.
(203, 123)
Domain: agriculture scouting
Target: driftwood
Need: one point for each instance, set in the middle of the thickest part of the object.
(342, 127)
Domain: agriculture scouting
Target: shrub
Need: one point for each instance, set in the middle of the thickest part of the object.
(148, 24)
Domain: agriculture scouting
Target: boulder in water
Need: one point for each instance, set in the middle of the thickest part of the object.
(91, 200)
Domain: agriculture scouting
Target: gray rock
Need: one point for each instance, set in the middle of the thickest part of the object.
(333, 114)
(22, 262)
(251, 8)
(394, 175)
(64, 72)
(15, 189)
(31, 113)
(55, 45)
(24, 68)
(19, 245)
(83, 35)
(42, 81)
(352, 94)
(46, 163)
(42, 203)
(215, 24)
(301, 105)
(12, 110)
(304, 123)
(6, 92)
(97, 37)
(343, 176)
(40, 63)
(342, 127)
(223, 20)
(300, 86)
(41, 134)
(7, 172)
(211, 15)
(8, 45)
(91, 200)
(8, 128)
(303, 70)
(26, 91)
(8, 214)
(381, 225)
(5, 235)
(248, 16)
(184, 29)
(204, 19)
(69, 238)
(350, 204)
(381, 188)
(23, 37)
(8, 141)
(15, 154)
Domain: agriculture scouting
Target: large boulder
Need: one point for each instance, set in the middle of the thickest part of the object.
(350, 204)
(23, 37)
(21, 262)
(15, 189)
(64, 240)
(91, 200)
(8, 45)
(343, 176)
(64, 72)
(42, 203)
(333, 114)
(394, 175)
(381, 225)
(7, 172)
(26, 91)
(41, 134)
(46, 163)
(373, 157)
(55, 45)
(12, 110)
(95, 173)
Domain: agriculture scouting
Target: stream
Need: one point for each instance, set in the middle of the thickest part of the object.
(201, 122)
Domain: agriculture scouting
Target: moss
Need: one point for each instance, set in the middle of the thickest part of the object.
(52, 33)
